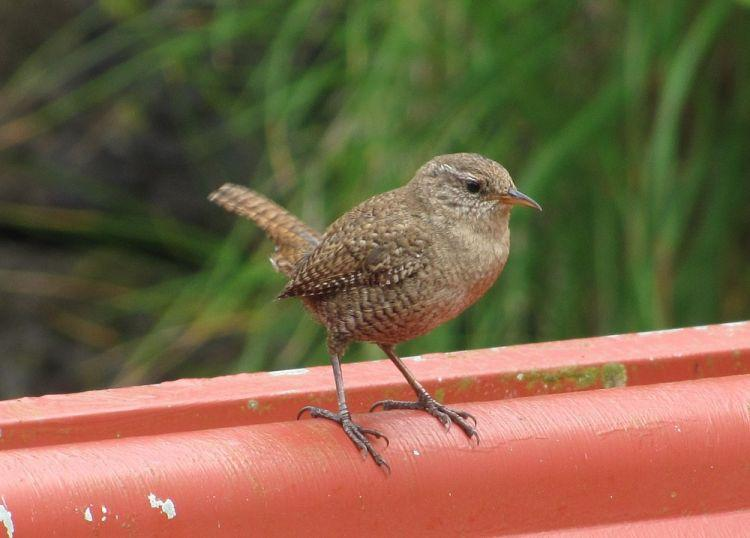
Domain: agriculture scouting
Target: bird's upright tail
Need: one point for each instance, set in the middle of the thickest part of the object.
(292, 237)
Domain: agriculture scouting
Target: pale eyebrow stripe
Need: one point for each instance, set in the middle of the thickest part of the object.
(451, 170)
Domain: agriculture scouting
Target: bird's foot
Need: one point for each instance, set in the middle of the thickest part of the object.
(444, 414)
(355, 432)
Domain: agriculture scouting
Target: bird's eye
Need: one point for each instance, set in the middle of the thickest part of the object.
(473, 186)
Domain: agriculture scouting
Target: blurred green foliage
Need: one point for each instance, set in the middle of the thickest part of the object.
(628, 121)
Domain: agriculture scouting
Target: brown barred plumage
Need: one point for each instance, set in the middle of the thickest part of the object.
(396, 266)
(292, 237)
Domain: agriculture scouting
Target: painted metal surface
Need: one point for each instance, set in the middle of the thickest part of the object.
(666, 448)
(465, 376)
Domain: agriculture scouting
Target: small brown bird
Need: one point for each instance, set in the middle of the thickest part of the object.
(394, 267)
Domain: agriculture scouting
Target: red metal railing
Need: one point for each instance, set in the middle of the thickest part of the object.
(666, 448)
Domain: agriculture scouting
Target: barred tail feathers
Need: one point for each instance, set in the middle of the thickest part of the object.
(292, 237)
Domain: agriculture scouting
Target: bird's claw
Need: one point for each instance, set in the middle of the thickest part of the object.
(319, 412)
(354, 431)
(445, 415)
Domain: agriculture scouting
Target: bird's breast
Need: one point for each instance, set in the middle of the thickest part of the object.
(456, 274)
(478, 257)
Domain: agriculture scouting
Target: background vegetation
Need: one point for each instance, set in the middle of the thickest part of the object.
(628, 121)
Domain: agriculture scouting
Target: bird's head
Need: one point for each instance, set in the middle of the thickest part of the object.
(468, 185)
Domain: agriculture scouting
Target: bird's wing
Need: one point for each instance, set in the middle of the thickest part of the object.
(374, 244)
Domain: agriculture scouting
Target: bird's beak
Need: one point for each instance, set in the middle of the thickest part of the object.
(514, 197)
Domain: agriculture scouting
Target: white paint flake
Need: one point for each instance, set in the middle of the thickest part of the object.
(415, 358)
(104, 513)
(662, 331)
(416, 452)
(87, 514)
(293, 371)
(167, 507)
(6, 519)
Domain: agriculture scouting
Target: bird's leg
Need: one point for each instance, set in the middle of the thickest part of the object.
(355, 432)
(425, 402)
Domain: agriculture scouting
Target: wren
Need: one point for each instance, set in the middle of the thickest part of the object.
(395, 267)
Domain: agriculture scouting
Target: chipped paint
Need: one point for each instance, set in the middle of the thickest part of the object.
(167, 507)
(260, 407)
(87, 514)
(6, 519)
(662, 331)
(416, 358)
(293, 371)
(104, 513)
(416, 452)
